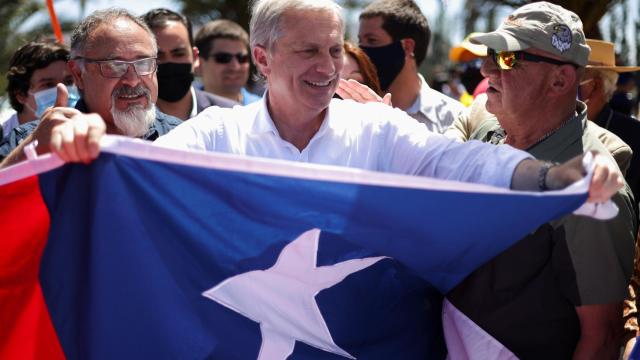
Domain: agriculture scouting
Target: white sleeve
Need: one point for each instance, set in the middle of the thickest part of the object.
(412, 149)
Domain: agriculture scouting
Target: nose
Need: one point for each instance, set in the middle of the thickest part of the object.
(130, 78)
(327, 64)
(488, 67)
(234, 63)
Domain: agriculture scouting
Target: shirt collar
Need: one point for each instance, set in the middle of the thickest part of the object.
(563, 137)
(263, 122)
(194, 103)
(421, 105)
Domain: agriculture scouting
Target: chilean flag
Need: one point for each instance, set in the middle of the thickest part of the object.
(157, 253)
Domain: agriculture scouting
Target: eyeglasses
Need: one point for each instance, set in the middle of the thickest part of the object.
(507, 60)
(117, 68)
(225, 57)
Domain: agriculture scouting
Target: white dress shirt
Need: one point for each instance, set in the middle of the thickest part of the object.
(369, 136)
(434, 109)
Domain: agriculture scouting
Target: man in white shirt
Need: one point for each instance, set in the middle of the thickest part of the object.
(297, 120)
(395, 35)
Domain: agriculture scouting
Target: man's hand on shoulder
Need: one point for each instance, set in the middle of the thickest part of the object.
(353, 90)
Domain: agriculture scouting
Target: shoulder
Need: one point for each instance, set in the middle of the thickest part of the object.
(206, 100)
(619, 150)
(349, 112)
(224, 117)
(16, 136)
(441, 102)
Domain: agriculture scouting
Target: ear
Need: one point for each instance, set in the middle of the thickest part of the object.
(564, 80)
(590, 90)
(262, 59)
(409, 46)
(196, 57)
(22, 97)
(76, 71)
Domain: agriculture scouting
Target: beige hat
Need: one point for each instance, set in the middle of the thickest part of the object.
(543, 26)
(603, 57)
(467, 51)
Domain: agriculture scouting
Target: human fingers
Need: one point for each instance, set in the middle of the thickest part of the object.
(80, 132)
(363, 91)
(62, 96)
(67, 151)
(387, 99)
(606, 180)
(346, 92)
(96, 130)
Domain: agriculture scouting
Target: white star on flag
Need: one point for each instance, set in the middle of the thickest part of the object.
(282, 298)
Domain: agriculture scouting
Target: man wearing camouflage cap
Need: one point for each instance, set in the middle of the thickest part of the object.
(558, 292)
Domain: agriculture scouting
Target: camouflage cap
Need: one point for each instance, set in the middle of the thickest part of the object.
(543, 26)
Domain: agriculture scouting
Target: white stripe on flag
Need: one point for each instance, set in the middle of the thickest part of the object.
(466, 340)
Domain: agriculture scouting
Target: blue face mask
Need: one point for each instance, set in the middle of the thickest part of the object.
(46, 98)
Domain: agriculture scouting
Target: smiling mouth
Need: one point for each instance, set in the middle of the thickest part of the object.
(319, 84)
(130, 97)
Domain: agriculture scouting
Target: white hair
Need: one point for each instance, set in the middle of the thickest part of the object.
(609, 79)
(266, 15)
(82, 34)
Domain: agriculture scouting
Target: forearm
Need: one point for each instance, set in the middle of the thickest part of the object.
(606, 347)
(534, 175)
(601, 329)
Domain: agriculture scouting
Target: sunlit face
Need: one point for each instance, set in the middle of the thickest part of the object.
(371, 33)
(303, 67)
(173, 44)
(43, 79)
(351, 70)
(517, 92)
(221, 78)
(121, 40)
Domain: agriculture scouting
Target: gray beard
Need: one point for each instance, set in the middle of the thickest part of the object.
(135, 121)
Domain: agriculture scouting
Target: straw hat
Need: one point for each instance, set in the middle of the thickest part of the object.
(467, 51)
(603, 57)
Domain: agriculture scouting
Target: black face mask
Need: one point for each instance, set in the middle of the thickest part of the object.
(389, 61)
(174, 81)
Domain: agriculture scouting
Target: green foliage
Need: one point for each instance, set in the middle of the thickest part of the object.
(13, 13)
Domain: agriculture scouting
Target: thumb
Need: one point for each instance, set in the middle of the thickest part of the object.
(387, 99)
(62, 96)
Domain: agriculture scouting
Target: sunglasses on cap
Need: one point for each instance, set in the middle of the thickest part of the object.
(507, 60)
(225, 57)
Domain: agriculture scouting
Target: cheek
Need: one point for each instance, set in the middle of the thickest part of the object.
(152, 84)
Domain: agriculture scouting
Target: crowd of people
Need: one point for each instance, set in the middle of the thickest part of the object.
(563, 291)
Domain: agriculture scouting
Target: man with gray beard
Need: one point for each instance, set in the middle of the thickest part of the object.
(113, 62)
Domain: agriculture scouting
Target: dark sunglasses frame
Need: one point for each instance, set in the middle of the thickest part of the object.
(519, 56)
(225, 57)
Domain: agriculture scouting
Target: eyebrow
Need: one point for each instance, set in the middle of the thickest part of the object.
(179, 49)
(45, 80)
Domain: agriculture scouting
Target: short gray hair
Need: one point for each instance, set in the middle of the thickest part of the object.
(609, 79)
(266, 16)
(85, 29)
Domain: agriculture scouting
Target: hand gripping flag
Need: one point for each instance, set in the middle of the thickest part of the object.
(155, 253)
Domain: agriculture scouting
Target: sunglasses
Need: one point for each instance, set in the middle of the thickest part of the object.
(225, 57)
(117, 68)
(507, 60)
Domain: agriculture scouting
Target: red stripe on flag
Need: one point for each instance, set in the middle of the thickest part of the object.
(26, 331)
